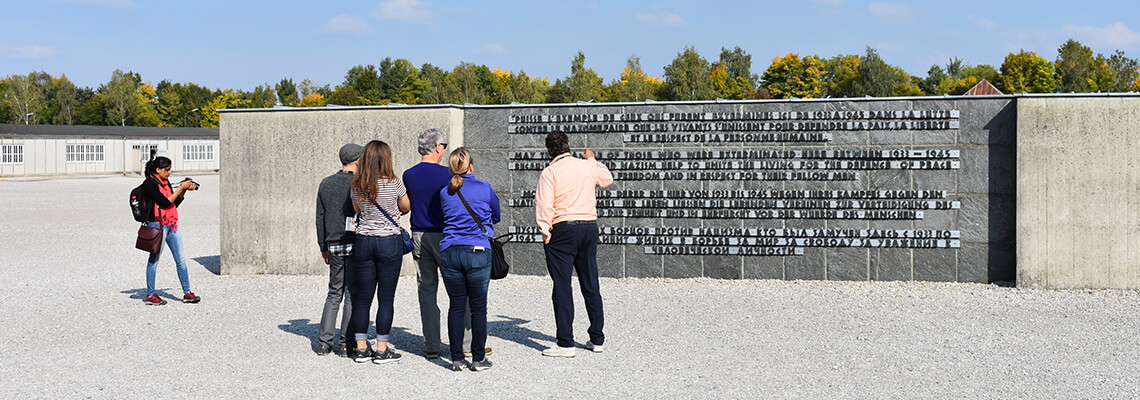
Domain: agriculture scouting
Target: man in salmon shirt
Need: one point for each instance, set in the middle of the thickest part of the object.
(565, 208)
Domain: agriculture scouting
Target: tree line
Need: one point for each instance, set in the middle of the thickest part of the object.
(127, 100)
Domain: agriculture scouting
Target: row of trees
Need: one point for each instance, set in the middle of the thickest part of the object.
(39, 98)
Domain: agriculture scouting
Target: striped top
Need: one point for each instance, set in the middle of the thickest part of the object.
(370, 221)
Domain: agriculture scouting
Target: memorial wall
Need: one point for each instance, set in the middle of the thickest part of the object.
(831, 190)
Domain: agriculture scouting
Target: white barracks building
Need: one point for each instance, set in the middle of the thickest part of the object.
(36, 150)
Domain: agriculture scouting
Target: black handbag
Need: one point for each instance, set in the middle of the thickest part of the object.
(408, 245)
(499, 266)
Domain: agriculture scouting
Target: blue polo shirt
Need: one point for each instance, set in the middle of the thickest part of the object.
(459, 227)
(424, 180)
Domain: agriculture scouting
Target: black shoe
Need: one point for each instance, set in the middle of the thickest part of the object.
(324, 349)
(362, 355)
(481, 365)
(388, 355)
(460, 365)
(341, 350)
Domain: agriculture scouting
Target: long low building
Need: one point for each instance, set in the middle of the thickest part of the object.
(38, 150)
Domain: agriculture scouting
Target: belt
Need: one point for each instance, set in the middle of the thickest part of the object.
(574, 223)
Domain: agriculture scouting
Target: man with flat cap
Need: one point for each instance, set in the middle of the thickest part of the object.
(335, 237)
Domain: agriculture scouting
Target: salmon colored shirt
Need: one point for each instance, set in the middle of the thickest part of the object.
(566, 191)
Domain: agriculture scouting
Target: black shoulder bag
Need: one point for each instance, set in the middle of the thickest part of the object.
(499, 267)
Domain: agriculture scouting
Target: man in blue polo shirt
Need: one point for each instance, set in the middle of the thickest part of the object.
(424, 181)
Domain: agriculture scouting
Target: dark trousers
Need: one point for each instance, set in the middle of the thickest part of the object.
(338, 265)
(466, 273)
(376, 266)
(574, 248)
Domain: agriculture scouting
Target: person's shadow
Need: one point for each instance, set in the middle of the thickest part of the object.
(406, 342)
(140, 294)
(513, 330)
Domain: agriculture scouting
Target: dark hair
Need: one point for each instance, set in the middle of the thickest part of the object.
(156, 164)
(459, 162)
(375, 163)
(557, 143)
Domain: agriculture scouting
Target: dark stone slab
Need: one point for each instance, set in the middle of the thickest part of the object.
(763, 106)
(486, 129)
(847, 264)
(973, 265)
(683, 267)
(846, 106)
(764, 267)
(491, 166)
(897, 138)
(890, 264)
(936, 265)
(929, 137)
(974, 219)
(889, 179)
(809, 266)
(603, 141)
(974, 177)
(890, 105)
(528, 259)
(611, 261)
(988, 121)
(722, 267)
(641, 265)
(1003, 169)
(850, 138)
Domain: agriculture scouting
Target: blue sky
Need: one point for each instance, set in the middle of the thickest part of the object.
(242, 44)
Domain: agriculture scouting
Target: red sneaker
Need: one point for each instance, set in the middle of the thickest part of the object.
(190, 297)
(154, 300)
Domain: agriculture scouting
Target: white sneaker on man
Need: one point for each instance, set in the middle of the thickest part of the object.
(559, 351)
(597, 348)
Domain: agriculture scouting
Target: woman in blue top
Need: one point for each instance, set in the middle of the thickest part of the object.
(465, 257)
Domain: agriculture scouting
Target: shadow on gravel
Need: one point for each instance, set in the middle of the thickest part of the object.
(512, 329)
(406, 342)
(140, 294)
(302, 328)
(212, 263)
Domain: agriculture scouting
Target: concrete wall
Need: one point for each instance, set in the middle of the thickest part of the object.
(1078, 185)
(273, 162)
(983, 185)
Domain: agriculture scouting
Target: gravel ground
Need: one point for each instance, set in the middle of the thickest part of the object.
(74, 326)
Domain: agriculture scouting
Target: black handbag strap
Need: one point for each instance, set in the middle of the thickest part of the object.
(385, 214)
(472, 212)
(159, 216)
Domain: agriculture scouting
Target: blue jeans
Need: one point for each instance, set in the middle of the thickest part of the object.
(173, 239)
(376, 270)
(466, 273)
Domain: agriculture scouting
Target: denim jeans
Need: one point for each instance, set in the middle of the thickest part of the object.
(466, 273)
(427, 276)
(173, 239)
(376, 270)
(338, 274)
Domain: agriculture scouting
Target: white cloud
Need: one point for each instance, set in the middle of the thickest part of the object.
(667, 20)
(982, 21)
(28, 52)
(493, 48)
(404, 10)
(1114, 35)
(894, 11)
(109, 3)
(347, 25)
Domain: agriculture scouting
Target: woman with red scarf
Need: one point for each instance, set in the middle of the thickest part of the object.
(166, 199)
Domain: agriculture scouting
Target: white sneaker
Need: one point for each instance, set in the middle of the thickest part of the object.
(597, 348)
(558, 351)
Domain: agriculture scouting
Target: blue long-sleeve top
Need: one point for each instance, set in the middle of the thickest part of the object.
(458, 226)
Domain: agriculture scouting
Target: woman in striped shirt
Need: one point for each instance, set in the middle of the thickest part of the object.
(379, 198)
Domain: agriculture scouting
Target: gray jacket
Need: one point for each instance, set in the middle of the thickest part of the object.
(333, 206)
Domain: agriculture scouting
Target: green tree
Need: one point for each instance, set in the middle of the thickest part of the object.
(287, 93)
(738, 65)
(468, 84)
(120, 96)
(365, 82)
(26, 95)
(635, 84)
(65, 95)
(840, 75)
(1125, 71)
(583, 84)
(1026, 72)
(433, 79)
(263, 96)
(688, 78)
(400, 81)
(876, 77)
(93, 111)
(224, 99)
(934, 76)
(792, 76)
(1075, 67)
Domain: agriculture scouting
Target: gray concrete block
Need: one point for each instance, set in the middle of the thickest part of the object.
(722, 267)
(896, 138)
(810, 266)
(764, 267)
(641, 265)
(946, 137)
(527, 259)
(889, 179)
(683, 267)
(936, 265)
(611, 261)
(890, 264)
(485, 128)
(975, 174)
(987, 121)
(847, 264)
